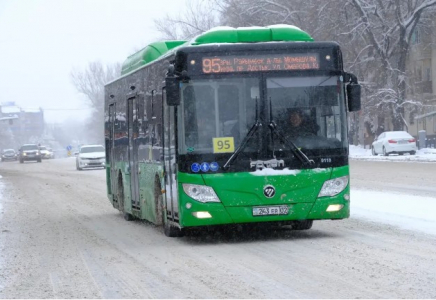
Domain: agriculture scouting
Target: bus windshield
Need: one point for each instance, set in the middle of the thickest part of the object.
(226, 108)
(219, 108)
(310, 111)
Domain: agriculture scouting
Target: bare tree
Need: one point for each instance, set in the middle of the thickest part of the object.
(198, 17)
(90, 82)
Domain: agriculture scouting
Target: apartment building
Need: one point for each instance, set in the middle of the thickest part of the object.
(422, 84)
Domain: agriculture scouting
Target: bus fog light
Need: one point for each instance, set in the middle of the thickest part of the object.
(188, 205)
(347, 197)
(334, 207)
(202, 214)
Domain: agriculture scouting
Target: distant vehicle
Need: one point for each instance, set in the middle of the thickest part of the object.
(51, 152)
(29, 152)
(45, 153)
(9, 155)
(90, 156)
(394, 142)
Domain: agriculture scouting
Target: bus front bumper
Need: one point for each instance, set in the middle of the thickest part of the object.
(193, 213)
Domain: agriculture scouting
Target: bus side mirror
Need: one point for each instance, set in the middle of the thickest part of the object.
(172, 87)
(353, 95)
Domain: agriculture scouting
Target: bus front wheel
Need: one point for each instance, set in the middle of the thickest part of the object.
(302, 225)
(120, 196)
(169, 229)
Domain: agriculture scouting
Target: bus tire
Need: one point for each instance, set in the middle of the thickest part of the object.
(120, 196)
(302, 225)
(169, 230)
(172, 231)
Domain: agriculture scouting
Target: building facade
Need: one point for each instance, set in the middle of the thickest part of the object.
(27, 125)
(422, 84)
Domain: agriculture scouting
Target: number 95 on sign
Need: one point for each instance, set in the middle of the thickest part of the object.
(223, 145)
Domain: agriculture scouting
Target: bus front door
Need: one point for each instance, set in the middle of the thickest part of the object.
(111, 149)
(171, 194)
(133, 150)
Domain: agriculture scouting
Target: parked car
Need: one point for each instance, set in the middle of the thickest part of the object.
(29, 152)
(394, 142)
(8, 155)
(90, 156)
(45, 153)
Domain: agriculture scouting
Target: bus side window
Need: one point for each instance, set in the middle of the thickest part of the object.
(190, 113)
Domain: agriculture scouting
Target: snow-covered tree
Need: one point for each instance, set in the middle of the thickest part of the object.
(386, 27)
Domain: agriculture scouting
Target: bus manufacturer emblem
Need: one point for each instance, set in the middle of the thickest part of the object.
(269, 191)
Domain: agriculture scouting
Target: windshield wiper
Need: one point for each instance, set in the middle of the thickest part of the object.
(244, 142)
(297, 152)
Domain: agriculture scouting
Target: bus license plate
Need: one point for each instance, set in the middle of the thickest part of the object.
(270, 210)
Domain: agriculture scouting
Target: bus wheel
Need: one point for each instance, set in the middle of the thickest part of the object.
(169, 230)
(302, 225)
(120, 196)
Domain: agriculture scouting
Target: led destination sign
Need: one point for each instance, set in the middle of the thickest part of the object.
(254, 63)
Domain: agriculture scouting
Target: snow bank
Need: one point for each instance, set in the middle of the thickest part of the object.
(423, 155)
(402, 210)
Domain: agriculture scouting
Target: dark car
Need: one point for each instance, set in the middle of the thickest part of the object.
(30, 152)
(8, 155)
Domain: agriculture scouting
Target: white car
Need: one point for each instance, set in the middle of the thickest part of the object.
(44, 152)
(90, 156)
(394, 142)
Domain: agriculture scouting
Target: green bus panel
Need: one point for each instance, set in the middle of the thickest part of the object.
(239, 193)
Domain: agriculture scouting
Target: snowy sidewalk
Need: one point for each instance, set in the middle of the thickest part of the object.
(398, 209)
(423, 155)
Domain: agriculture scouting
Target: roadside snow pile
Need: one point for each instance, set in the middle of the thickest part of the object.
(359, 151)
(423, 155)
(402, 210)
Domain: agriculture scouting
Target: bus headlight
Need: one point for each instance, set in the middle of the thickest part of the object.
(201, 193)
(333, 187)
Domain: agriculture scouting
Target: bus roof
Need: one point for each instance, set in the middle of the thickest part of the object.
(215, 35)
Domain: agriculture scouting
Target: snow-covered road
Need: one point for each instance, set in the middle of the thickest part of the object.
(60, 238)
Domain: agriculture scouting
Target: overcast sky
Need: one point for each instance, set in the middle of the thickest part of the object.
(41, 41)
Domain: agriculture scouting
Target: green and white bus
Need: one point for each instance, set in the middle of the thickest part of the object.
(200, 133)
